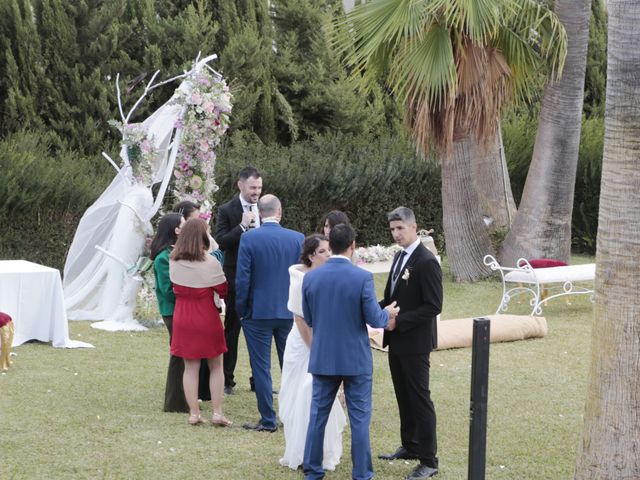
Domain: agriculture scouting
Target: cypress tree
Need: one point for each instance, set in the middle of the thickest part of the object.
(309, 73)
(20, 67)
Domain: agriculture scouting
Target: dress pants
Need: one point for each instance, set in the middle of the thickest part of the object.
(357, 392)
(231, 335)
(410, 375)
(174, 400)
(258, 333)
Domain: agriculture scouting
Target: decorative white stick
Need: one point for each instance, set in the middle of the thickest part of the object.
(127, 267)
(114, 165)
(146, 90)
(119, 97)
(173, 152)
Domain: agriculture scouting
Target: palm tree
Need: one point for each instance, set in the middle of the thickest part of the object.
(611, 433)
(454, 65)
(542, 228)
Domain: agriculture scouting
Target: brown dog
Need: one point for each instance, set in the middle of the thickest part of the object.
(6, 337)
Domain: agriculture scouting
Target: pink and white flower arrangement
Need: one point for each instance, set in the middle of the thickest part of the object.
(141, 151)
(207, 106)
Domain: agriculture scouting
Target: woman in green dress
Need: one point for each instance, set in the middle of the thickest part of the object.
(166, 236)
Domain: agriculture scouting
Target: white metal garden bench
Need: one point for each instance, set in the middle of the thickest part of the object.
(535, 280)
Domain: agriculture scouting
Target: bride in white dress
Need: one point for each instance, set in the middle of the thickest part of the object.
(294, 398)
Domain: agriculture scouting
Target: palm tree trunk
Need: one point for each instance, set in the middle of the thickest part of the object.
(542, 228)
(466, 235)
(492, 183)
(611, 434)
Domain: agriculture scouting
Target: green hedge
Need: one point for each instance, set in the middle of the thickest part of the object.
(519, 134)
(43, 196)
(364, 178)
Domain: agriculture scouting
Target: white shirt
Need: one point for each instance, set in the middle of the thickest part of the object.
(409, 250)
(250, 207)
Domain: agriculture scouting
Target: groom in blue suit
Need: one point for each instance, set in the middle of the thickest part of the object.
(262, 291)
(338, 301)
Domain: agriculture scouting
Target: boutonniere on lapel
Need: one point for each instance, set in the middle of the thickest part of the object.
(406, 275)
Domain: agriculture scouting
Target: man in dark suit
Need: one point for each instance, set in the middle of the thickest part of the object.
(262, 292)
(415, 283)
(235, 218)
(338, 301)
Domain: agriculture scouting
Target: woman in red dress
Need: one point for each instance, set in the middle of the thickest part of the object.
(198, 284)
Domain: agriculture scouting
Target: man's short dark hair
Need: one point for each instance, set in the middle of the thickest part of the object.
(248, 172)
(341, 238)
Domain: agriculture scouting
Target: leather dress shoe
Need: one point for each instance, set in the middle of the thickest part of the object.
(258, 427)
(401, 453)
(228, 390)
(422, 472)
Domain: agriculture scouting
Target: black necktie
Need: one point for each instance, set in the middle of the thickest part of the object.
(252, 224)
(398, 269)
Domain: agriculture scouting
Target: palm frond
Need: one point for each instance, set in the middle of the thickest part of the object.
(478, 19)
(484, 87)
(543, 32)
(453, 64)
(425, 65)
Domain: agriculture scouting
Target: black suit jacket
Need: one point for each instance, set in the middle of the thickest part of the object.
(227, 234)
(420, 301)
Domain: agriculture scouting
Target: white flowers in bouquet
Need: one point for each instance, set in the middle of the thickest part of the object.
(375, 253)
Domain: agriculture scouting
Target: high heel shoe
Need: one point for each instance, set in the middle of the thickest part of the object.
(195, 419)
(219, 420)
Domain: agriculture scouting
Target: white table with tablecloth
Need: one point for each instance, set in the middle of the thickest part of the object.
(32, 295)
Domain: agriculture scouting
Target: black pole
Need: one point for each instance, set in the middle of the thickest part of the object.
(479, 395)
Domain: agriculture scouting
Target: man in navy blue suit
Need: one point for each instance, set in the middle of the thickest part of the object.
(262, 291)
(338, 301)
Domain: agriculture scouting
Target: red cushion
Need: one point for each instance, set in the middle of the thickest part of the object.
(545, 263)
(4, 319)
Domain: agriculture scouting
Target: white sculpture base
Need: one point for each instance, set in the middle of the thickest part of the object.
(122, 319)
(132, 325)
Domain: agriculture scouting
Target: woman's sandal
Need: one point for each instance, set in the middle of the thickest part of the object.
(219, 420)
(195, 419)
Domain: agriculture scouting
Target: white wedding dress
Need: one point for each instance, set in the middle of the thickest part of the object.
(294, 399)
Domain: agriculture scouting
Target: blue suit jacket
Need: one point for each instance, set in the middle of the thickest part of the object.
(338, 300)
(262, 275)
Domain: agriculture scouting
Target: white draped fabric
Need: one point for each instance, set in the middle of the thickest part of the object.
(32, 295)
(118, 221)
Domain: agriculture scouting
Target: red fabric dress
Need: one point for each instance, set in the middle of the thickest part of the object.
(197, 327)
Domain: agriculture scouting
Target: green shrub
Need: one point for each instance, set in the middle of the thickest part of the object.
(43, 196)
(31, 177)
(365, 178)
(519, 134)
(584, 224)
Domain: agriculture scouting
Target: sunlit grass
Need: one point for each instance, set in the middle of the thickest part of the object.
(97, 413)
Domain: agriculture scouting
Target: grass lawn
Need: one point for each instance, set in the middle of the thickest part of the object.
(97, 413)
